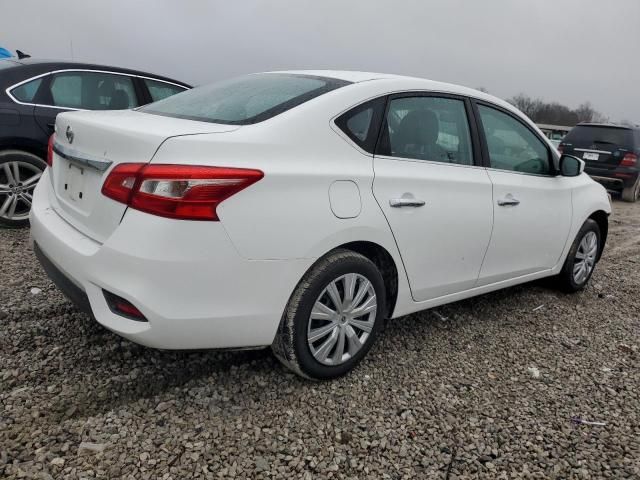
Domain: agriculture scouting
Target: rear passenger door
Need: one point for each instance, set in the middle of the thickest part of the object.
(532, 204)
(433, 191)
(83, 90)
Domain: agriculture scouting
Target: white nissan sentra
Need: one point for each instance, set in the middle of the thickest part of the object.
(299, 210)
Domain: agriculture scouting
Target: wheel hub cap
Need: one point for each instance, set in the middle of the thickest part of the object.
(585, 258)
(18, 179)
(342, 319)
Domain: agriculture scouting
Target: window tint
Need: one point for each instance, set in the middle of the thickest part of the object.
(362, 123)
(27, 91)
(601, 136)
(244, 100)
(511, 145)
(427, 128)
(160, 90)
(92, 91)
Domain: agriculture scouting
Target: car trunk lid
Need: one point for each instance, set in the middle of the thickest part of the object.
(89, 144)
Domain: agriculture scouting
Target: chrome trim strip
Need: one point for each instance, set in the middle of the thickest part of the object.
(80, 158)
(15, 100)
(592, 151)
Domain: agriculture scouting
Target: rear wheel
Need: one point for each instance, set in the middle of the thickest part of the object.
(19, 174)
(582, 258)
(632, 193)
(333, 316)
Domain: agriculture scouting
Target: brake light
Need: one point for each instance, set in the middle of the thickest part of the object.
(185, 192)
(52, 139)
(629, 160)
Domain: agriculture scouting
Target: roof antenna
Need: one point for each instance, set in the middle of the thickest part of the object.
(22, 55)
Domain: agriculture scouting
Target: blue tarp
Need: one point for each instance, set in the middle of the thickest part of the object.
(4, 53)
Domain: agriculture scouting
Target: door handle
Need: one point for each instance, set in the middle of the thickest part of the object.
(406, 202)
(508, 200)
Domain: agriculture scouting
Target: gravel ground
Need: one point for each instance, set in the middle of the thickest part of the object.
(484, 388)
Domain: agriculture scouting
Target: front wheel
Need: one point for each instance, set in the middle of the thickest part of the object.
(19, 174)
(582, 258)
(333, 316)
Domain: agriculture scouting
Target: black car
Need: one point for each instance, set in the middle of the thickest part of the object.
(33, 92)
(610, 153)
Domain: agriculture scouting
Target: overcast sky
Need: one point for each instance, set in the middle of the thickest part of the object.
(564, 50)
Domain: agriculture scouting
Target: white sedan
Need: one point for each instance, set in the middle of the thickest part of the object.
(299, 210)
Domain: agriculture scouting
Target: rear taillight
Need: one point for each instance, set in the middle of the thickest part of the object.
(629, 160)
(52, 139)
(185, 192)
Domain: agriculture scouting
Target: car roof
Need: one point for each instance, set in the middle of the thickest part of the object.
(607, 125)
(42, 66)
(403, 82)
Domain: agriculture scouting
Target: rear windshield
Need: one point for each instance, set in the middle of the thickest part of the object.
(244, 100)
(587, 135)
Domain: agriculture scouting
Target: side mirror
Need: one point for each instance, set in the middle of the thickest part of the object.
(571, 166)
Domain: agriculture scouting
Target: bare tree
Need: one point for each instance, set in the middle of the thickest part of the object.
(586, 113)
(555, 113)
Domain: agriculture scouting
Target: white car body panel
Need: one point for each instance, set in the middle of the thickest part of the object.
(440, 257)
(528, 237)
(226, 284)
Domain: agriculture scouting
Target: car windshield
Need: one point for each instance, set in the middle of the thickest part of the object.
(244, 100)
(587, 135)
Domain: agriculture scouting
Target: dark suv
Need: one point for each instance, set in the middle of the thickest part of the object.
(610, 153)
(33, 92)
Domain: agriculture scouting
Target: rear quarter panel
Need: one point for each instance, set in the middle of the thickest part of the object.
(288, 214)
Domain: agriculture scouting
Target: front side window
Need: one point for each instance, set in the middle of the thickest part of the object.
(92, 91)
(362, 123)
(161, 90)
(244, 100)
(511, 145)
(27, 91)
(427, 128)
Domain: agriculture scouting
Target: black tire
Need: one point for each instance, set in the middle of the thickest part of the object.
(632, 193)
(26, 159)
(566, 280)
(290, 345)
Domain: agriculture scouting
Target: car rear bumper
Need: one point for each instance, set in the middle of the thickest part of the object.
(616, 179)
(187, 279)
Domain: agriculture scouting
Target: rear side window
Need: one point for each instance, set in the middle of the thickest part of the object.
(92, 91)
(362, 123)
(27, 91)
(245, 100)
(161, 90)
(600, 136)
(427, 128)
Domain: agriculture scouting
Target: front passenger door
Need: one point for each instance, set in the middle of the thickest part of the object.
(532, 205)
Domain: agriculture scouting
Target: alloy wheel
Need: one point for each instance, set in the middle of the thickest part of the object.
(585, 258)
(17, 182)
(342, 319)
